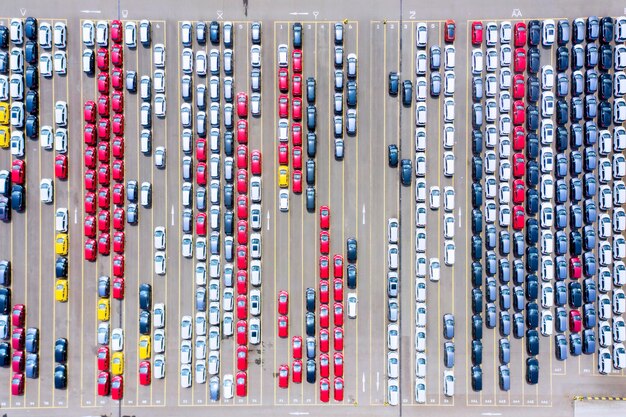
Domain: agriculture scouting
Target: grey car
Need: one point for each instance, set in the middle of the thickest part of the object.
(448, 326)
(504, 351)
(504, 377)
(448, 358)
(214, 388)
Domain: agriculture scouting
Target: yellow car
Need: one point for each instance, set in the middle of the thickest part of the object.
(117, 363)
(144, 347)
(4, 113)
(104, 309)
(61, 244)
(283, 176)
(60, 290)
(5, 137)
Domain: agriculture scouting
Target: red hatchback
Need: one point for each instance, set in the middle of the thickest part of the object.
(119, 242)
(338, 289)
(283, 106)
(519, 114)
(242, 207)
(283, 154)
(90, 157)
(296, 57)
(242, 282)
(89, 111)
(103, 83)
(89, 134)
(575, 268)
(201, 173)
(201, 224)
(324, 261)
(296, 157)
(118, 194)
(104, 384)
(91, 180)
(324, 390)
(324, 316)
(256, 162)
(117, 388)
(118, 265)
(118, 288)
(242, 307)
(145, 375)
(90, 203)
(324, 365)
(242, 333)
(338, 266)
(519, 165)
(242, 257)
(118, 147)
(103, 359)
(518, 192)
(296, 109)
(324, 217)
(324, 242)
(477, 33)
(296, 347)
(18, 360)
(338, 315)
(449, 31)
(104, 244)
(103, 107)
(117, 55)
(283, 324)
(89, 226)
(575, 321)
(117, 102)
(283, 302)
(17, 384)
(296, 374)
(242, 232)
(116, 31)
(242, 105)
(90, 250)
(118, 124)
(119, 218)
(519, 64)
(324, 292)
(518, 217)
(104, 198)
(242, 181)
(519, 34)
(519, 138)
(60, 166)
(338, 388)
(104, 152)
(201, 149)
(338, 334)
(296, 85)
(283, 80)
(242, 157)
(242, 357)
(117, 79)
(241, 382)
(296, 134)
(519, 86)
(102, 59)
(338, 364)
(18, 315)
(118, 170)
(17, 338)
(324, 339)
(296, 181)
(104, 129)
(104, 221)
(18, 171)
(242, 131)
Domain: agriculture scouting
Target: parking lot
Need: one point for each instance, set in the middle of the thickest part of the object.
(361, 191)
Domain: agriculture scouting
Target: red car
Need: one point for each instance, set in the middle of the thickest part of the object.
(17, 338)
(283, 376)
(103, 358)
(60, 166)
(201, 224)
(242, 207)
(283, 324)
(518, 217)
(118, 194)
(575, 321)
(90, 226)
(117, 387)
(324, 242)
(117, 102)
(338, 315)
(283, 106)
(17, 384)
(104, 152)
(283, 80)
(519, 64)
(242, 232)
(119, 218)
(89, 134)
(518, 191)
(103, 108)
(90, 250)
(118, 288)
(201, 149)
(118, 170)
(104, 384)
(242, 333)
(242, 282)
(117, 55)
(575, 268)
(201, 173)
(242, 257)
(296, 109)
(324, 390)
(324, 365)
(296, 181)
(519, 34)
(242, 307)
(519, 138)
(118, 124)
(324, 291)
(242, 157)
(338, 266)
(283, 154)
(449, 31)
(338, 334)
(118, 147)
(118, 242)
(242, 105)
(338, 289)
(296, 157)
(324, 338)
(296, 374)
(519, 114)
(118, 265)
(104, 129)
(242, 357)
(104, 244)
(117, 79)
(145, 375)
(90, 203)
(283, 302)
(89, 111)
(241, 381)
(324, 217)
(91, 180)
(477, 33)
(104, 199)
(242, 131)
(296, 57)
(103, 83)
(90, 157)
(18, 316)
(324, 316)
(242, 181)
(296, 134)
(296, 85)
(18, 361)
(519, 86)
(116, 31)
(338, 388)
(324, 261)
(256, 162)
(104, 221)
(519, 165)
(18, 171)
(338, 364)
(102, 59)
(296, 347)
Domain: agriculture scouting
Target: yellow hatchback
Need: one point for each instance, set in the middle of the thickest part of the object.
(5, 137)
(144, 347)
(117, 363)
(4, 113)
(61, 244)
(283, 176)
(60, 290)
(104, 309)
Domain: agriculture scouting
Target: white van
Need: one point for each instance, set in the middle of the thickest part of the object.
(61, 220)
(146, 194)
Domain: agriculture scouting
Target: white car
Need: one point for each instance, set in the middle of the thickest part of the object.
(393, 395)
(477, 61)
(160, 263)
(159, 341)
(159, 55)
(547, 77)
(200, 348)
(60, 62)
(46, 191)
(449, 57)
(448, 383)
(117, 340)
(200, 324)
(130, 34)
(186, 328)
(158, 318)
(393, 336)
(421, 35)
(434, 269)
(448, 137)
(254, 331)
(88, 31)
(46, 65)
(255, 56)
(255, 302)
(547, 323)
(448, 164)
(352, 305)
(185, 376)
(282, 55)
(102, 34)
(255, 273)
(200, 372)
(505, 32)
(187, 245)
(420, 164)
(548, 32)
(393, 364)
(448, 199)
(619, 356)
(604, 361)
(228, 386)
(547, 295)
(159, 367)
(283, 199)
(448, 226)
(449, 254)
(435, 197)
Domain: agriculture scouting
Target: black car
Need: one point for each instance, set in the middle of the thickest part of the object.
(575, 296)
(145, 297)
(32, 102)
(532, 146)
(351, 96)
(604, 115)
(310, 324)
(477, 274)
(310, 371)
(32, 126)
(405, 172)
(352, 274)
(532, 371)
(30, 28)
(562, 59)
(214, 32)
(32, 77)
(310, 172)
(532, 117)
(578, 31)
(477, 248)
(394, 82)
(563, 32)
(311, 144)
(532, 342)
(31, 53)
(4, 37)
(229, 223)
(477, 89)
(310, 300)
(534, 32)
(407, 93)
(61, 267)
(60, 350)
(229, 199)
(60, 377)
(477, 142)
(606, 30)
(606, 57)
(575, 243)
(392, 152)
(477, 195)
(5, 300)
(229, 143)
(561, 137)
(477, 221)
(605, 87)
(18, 198)
(310, 199)
(589, 341)
(477, 300)
(5, 354)
(532, 287)
(4, 62)
(477, 378)
(310, 90)
(477, 168)
(534, 60)
(311, 117)
(145, 322)
(477, 352)
(5, 209)
(5, 272)
(351, 250)
(562, 113)
(532, 173)
(297, 35)
(477, 327)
